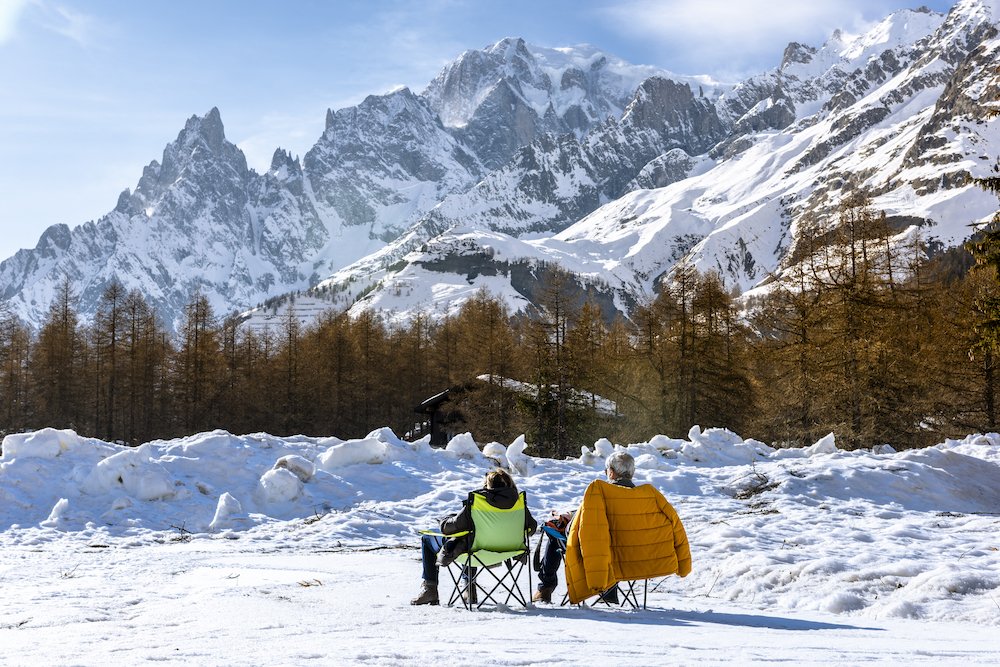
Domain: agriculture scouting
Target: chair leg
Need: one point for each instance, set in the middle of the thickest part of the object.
(468, 582)
(463, 583)
(512, 589)
(631, 595)
(627, 594)
(527, 601)
(455, 591)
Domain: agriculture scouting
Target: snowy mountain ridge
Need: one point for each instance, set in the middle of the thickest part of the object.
(516, 158)
(906, 123)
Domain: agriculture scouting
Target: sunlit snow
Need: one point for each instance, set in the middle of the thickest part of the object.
(256, 549)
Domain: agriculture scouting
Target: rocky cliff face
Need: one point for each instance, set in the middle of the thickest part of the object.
(383, 163)
(509, 94)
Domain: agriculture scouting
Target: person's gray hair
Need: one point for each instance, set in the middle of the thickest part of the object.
(622, 463)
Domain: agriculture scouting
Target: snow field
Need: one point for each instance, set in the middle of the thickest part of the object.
(284, 550)
(211, 603)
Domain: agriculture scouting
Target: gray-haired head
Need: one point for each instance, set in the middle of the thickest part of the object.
(621, 464)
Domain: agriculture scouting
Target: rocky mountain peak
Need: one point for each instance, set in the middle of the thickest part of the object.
(283, 162)
(125, 202)
(207, 129)
(968, 23)
(671, 109)
(55, 239)
(509, 48)
(377, 113)
(202, 141)
(797, 53)
(513, 56)
(462, 86)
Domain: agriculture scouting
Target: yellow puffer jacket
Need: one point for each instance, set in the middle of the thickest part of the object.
(623, 534)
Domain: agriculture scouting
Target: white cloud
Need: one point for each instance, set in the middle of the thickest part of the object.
(727, 34)
(10, 12)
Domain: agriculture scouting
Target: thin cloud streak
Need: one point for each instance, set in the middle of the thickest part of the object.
(80, 28)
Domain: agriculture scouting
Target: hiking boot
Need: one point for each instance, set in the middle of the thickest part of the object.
(428, 594)
(543, 595)
(469, 595)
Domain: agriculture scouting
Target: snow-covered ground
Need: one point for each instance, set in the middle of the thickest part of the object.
(256, 550)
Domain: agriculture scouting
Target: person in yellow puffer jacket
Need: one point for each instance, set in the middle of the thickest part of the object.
(623, 532)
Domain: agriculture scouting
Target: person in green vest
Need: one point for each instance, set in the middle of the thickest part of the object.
(499, 491)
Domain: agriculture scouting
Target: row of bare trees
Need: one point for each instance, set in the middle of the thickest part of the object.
(861, 335)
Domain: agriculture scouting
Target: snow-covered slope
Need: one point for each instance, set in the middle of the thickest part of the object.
(899, 111)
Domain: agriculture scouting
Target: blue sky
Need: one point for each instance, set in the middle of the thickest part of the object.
(91, 92)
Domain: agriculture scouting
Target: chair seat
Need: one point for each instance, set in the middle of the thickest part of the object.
(487, 558)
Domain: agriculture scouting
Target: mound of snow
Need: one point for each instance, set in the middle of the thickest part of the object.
(227, 513)
(520, 462)
(825, 445)
(301, 467)
(352, 452)
(717, 446)
(463, 446)
(498, 452)
(133, 470)
(45, 444)
(603, 448)
(278, 486)
(58, 514)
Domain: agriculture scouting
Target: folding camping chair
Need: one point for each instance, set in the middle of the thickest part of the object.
(626, 590)
(499, 542)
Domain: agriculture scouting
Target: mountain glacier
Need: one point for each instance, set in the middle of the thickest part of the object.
(517, 158)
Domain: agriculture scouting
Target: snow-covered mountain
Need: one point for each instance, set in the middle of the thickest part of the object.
(503, 97)
(899, 111)
(200, 220)
(517, 158)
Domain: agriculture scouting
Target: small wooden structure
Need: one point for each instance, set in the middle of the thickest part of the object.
(441, 422)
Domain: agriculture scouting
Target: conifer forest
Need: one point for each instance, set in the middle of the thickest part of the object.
(873, 339)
